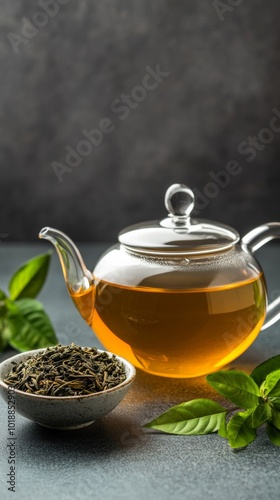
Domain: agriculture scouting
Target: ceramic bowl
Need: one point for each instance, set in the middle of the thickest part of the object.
(69, 412)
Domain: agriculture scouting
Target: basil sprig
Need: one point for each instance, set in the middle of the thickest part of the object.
(24, 325)
(256, 398)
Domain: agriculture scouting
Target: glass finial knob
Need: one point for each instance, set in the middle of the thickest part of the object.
(179, 200)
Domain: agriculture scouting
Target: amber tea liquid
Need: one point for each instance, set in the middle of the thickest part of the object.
(176, 333)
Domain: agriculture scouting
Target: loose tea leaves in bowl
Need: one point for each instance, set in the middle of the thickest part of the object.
(67, 371)
(71, 386)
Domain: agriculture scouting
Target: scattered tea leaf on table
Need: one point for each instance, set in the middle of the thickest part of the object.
(236, 386)
(204, 416)
(200, 416)
(28, 280)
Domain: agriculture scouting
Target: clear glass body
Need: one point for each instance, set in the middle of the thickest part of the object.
(172, 313)
(175, 315)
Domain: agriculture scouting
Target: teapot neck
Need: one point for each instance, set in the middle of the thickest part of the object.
(77, 277)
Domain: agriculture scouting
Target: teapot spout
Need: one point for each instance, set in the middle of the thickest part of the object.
(77, 277)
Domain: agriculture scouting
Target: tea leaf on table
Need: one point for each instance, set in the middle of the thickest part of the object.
(260, 373)
(28, 280)
(273, 434)
(203, 416)
(240, 431)
(270, 383)
(30, 326)
(236, 386)
(200, 416)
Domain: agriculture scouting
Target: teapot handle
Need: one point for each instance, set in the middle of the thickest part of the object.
(254, 240)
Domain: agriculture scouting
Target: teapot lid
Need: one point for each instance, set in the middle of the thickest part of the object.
(179, 233)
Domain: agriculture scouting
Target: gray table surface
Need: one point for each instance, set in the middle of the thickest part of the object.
(115, 458)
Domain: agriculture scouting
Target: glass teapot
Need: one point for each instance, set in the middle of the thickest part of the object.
(180, 297)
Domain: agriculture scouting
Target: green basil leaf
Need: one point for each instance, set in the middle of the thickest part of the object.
(276, 418)
(5, 333)
(30, 326)
(3, 309)
(261, 414)
(28, 280)
(2, 295)
(200, 416)
(236, 386)
(11, 308)
(260, 373)
(223, 428)
(275, 402)
(273, 434)
(270, 382)
(240, 431)
(275, 392)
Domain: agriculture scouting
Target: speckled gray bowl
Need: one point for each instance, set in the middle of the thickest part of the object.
(71, 412)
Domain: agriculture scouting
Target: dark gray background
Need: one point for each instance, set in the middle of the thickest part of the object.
(224, 82)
